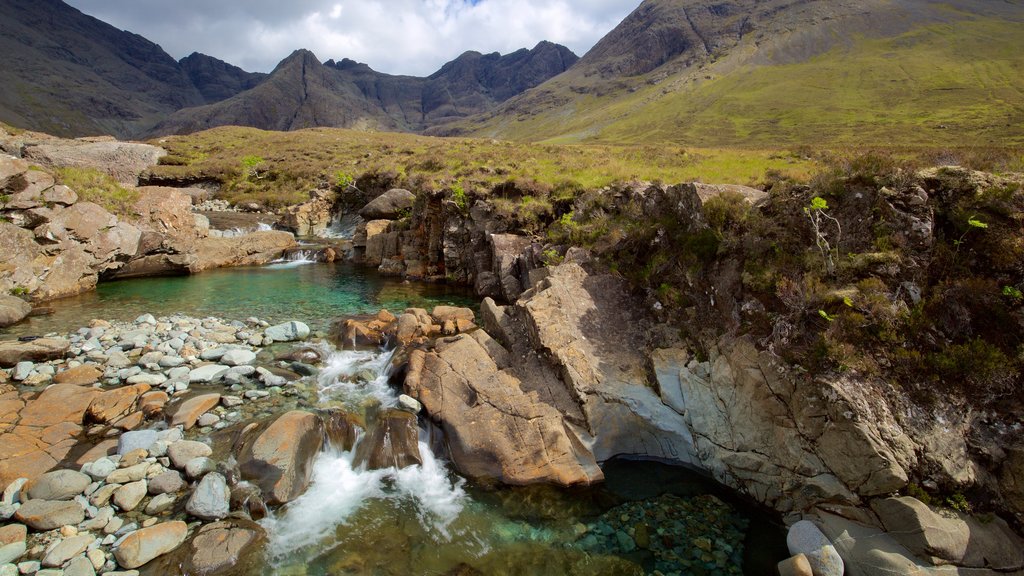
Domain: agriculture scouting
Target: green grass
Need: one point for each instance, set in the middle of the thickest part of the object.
(296, 162)
(97, 187)
(948, 85)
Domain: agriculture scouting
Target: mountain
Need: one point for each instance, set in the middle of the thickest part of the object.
(302, 92)
(771, 72)
(70, 74)
(215, 79)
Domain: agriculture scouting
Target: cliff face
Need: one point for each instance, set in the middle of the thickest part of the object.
(215, 79)
(70, 74)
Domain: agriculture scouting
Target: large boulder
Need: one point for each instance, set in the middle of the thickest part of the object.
(280, 459)
(12, 310)
(142, 546)
(950, 537)
(499, 425)
(390, 205)
(252, 249)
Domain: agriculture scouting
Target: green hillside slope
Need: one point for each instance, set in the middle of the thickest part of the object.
(939, 76)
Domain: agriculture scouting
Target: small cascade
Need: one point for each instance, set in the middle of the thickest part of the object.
(343, 226)
(263, 227)
(353, 378)
(295, 258)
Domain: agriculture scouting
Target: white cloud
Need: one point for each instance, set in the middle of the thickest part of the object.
(395, 36)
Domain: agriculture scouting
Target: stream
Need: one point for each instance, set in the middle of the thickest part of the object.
(647, 518)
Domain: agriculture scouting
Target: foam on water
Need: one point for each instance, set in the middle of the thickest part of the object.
(340, 379)
(293, 259)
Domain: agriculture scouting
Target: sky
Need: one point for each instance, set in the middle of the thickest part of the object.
(413, 37)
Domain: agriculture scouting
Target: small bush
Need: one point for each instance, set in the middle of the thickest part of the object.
(726, 211)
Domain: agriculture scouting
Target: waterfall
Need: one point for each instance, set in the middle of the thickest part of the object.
(343, 226)
(296, 258)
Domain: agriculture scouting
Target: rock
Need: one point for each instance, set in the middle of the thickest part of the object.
(22, 370)
(197, 467)
(13, 491)
(185, 450)
(40, 350)
(213, 354)
(169, 481)
(132, 473)
(211, 499)
(496, 427)
(949, 537)
(131, 441)
(795, 566)
(806, 538)
(66, 550)
(390, 205)
(230, 401)
(409, 404)
(225, 547)
(102, 496)
(13, 310)
(11, 552)
(83, 375)
(280, 460)
(99, 469)
(208, 419)
(191, 409)
(247, 498)
(160, 503)
(208, 373)
(144, 545)
(238, 357)
(114, 404)
(128, 497)
(11, 533)
(392, 443)
(288, 332)
(80, 566)
(57, 485)
(46, 515)
(152, 403)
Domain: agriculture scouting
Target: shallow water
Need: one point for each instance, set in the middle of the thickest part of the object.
(313, 293)
(427, 520)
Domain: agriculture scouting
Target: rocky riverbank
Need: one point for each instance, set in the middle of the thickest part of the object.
(123, 441)
(54, 244)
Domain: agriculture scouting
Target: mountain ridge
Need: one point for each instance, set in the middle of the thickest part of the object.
(349, 94)
(70, 74)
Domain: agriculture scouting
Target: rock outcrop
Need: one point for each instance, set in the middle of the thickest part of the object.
(52, 245)
(561, 386)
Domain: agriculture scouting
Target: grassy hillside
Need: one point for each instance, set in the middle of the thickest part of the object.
(289, 164)
(955, 83)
